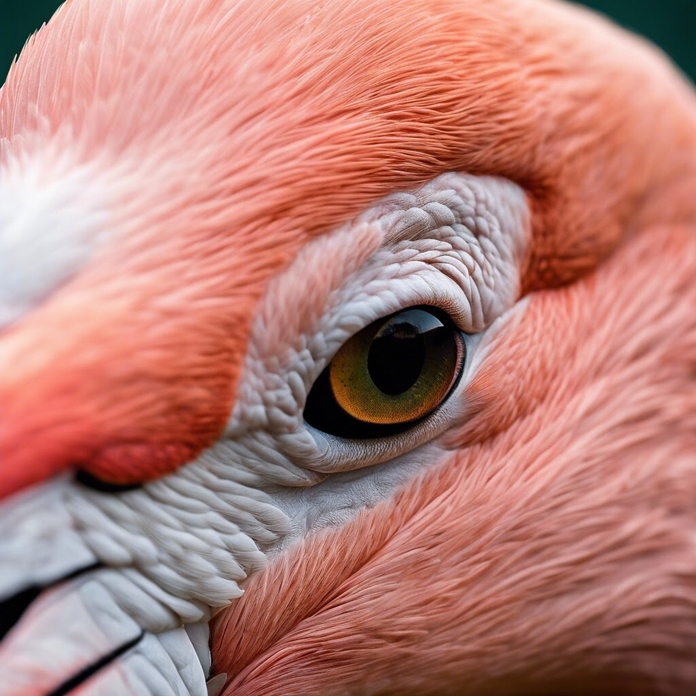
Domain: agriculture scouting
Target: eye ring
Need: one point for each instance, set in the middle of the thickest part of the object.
(389, 376)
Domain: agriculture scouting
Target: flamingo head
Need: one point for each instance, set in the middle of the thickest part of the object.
(346, 348)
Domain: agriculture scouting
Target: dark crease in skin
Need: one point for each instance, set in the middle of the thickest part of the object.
(13, 608)
(83, 675)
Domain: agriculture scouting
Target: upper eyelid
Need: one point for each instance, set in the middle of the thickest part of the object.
(466, 269)
(449, 295)
(362, 286)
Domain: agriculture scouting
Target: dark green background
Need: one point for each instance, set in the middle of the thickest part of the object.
(669, 23)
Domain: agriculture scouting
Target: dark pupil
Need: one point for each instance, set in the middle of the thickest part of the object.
(396, 357)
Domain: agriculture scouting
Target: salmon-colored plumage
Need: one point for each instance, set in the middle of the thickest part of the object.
(552, 553)
(549, 544)
(348, 101)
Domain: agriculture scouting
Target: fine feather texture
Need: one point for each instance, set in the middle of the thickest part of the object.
(536, 534)
(552, 552)
(232, 131)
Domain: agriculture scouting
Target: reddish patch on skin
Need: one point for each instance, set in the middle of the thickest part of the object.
(272, 122)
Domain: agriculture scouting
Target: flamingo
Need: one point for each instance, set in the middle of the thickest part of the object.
(348, 347)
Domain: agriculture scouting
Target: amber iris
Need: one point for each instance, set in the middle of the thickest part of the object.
(394, 372)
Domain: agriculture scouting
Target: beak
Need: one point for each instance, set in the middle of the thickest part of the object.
(70, 621)
(112, 593)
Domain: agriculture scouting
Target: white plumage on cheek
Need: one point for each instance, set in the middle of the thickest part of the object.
(52, 215)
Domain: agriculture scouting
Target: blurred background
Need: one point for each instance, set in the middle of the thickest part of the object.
(669, 23)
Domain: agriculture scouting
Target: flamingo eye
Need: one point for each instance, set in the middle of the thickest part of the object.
(388, 376)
